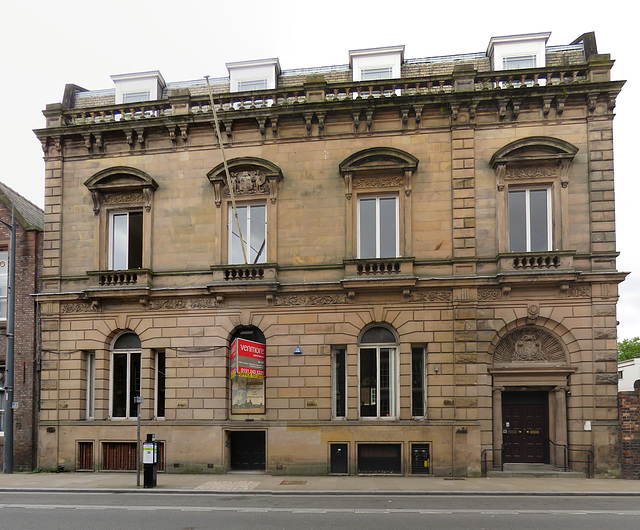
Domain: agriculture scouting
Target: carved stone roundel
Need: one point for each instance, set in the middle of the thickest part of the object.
(529, 345)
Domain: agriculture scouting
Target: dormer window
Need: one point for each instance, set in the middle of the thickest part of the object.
(253, 75)
(376, 63)
(518, 51)
(137, 87)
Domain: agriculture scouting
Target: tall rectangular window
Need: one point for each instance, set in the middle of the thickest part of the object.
(417, 381)
(338, 383)
(530, 220)
(4, 282)
(2, 400)
(377, 382)
(126, 381)
(91, 384)
(125, 241)
(160, 384)
(252, 219)
(378, 227)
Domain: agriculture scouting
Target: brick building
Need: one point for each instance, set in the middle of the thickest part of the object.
(29, 222)
(419, 267)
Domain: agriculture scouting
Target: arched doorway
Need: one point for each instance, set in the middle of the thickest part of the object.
(530, 372)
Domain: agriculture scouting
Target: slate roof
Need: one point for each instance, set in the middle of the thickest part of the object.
(27, 214)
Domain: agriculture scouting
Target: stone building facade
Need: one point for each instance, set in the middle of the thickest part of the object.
(429, 262)
(29, 223)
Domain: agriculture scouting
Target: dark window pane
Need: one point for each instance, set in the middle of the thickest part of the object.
(378, 335)
(135, 240)
(367, 228)
(340, 384)
(368, 383)
(388, 228)
(127, 341)
(161, 361)
(517, 221)
(386, 371)
(119, 385)
(258, 235)
(539, 219)
(417, 382)
(134, 383)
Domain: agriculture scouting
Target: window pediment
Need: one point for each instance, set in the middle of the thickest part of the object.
(533, 158)
(249, 176)
(378, 167)
(121, 185)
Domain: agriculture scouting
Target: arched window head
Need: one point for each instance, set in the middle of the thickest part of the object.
(127, 341)
(378, 335)
(249, 333)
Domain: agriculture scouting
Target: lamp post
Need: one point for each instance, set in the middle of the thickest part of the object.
(8, 379)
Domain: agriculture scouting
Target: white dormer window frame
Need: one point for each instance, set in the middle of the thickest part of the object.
(376, 63)
(529, 50)
(260, 74)
(139, 86)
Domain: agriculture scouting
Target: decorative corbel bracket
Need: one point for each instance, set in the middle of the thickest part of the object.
(129, 135)
(95, 197)
(348, 185)
(501, 171)
(262, 124)
(321, 116)
(172, 133)
(560, 101)
(418, 111)
(546, 105)
(274, 125)
(308, 116)
(184, 131)
(356, 120)
(369, 113)
(455, 108)
(273, 187)
(404, 116)
(87, 141)
(217, 192)
(408, 173)
(515, 103)
(592, 100)
(140, 136)
(502, 108)
(564, 172)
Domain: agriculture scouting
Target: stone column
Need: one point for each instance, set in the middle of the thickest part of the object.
(561, 424)
(497, 425)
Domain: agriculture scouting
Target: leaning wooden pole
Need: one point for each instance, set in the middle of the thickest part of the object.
(226, 171)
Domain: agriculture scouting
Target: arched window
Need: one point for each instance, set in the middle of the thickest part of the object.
(378, 373)
(126, 356)
(247, 366)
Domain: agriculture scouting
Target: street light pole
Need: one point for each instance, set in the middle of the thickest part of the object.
(8, 383)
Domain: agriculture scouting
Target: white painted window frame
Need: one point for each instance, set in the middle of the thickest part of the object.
(247, 237)
(111, 243)
(128, 352)
(393, 378)
(397, 215)
(528, 227)
(91, 385)
(334, 384)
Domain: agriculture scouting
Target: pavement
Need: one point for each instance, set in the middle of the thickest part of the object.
(256, 483)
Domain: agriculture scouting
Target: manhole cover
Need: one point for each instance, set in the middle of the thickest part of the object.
(293, 482)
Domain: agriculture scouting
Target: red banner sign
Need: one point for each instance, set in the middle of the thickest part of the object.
(246, 359)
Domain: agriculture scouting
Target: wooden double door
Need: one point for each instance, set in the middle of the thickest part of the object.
(525, 427)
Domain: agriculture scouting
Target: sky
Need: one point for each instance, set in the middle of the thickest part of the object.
(46, 44)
